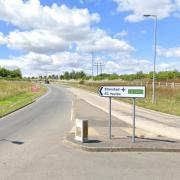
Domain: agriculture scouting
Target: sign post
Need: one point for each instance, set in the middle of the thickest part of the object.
(110, 118)
(134, 116)
(123, 92)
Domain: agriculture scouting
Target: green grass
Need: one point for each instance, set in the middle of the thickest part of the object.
(168, 99)
(16, 94)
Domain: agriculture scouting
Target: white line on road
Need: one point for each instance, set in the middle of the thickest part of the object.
(72, 110)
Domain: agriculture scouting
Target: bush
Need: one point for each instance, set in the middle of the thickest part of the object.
(5, 73)
(81, 82)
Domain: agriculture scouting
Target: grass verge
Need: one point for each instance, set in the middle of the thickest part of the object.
(17, 94)
(168, 99)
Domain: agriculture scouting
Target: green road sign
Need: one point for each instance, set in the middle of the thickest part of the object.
(135, 91)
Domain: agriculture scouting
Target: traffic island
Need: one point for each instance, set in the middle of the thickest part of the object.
(121, 135)
(124, 144)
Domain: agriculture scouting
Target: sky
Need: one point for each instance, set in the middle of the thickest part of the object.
(43, 37)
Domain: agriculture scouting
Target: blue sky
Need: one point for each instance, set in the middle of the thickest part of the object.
(50, 37)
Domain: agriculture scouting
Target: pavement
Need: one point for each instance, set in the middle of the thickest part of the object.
(32, 148)
(121, 134)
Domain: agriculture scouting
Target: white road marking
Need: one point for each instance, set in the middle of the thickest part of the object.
(72, 110)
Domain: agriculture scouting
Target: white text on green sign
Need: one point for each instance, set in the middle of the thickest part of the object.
(123, 91)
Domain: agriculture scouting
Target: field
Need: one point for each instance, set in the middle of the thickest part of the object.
(16, 94)
(168, 99)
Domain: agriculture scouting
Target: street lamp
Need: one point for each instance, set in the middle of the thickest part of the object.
(154, 66)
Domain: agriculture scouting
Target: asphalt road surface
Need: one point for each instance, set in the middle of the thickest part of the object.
(31, 148)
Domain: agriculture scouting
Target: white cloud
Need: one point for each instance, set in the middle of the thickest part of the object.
(44, 28)
(40, 41)
(137, 8)
(169, 52)
(168, 66)
(127, 64)
(33, 64)
(32, 15)
(121, 34)
(104, 43)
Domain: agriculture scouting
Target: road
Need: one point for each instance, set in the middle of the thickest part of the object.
(32, 148)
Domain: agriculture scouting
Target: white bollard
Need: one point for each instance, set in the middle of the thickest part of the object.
(81, 133)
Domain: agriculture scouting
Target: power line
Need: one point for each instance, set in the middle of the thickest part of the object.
(98, 66)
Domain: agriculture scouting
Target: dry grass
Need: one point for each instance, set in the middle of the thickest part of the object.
(12, 88)
(16, 94)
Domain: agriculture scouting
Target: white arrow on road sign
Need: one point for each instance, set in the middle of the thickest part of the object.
(123, 91)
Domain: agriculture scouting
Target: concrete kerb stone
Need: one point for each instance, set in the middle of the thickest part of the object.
(84, 147)
(22, 107)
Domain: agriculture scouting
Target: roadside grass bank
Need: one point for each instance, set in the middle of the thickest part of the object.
(17, 94)
(168, 99)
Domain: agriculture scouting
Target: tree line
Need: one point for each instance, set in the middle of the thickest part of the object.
(80, 75)
(163, 75)
(6, 73)
(74, 75)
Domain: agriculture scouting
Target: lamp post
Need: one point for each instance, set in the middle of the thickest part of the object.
(154, 64)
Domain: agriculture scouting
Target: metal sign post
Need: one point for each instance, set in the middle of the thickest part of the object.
(134, 116)
(109, 117)
(123, 92)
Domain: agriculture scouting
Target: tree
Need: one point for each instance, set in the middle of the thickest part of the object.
(10, 73)
(66, 75)
(140, 75)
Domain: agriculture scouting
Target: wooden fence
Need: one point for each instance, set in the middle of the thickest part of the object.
(157, 84)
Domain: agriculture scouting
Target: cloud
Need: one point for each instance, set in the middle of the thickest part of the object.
(121, 34)
(32, 15)
(45, 28)
(40, 41)
(34, 64)
(127, 64)
(169, 52)
(46, 34)
(100, 42)
(168, 66)
(137, 8)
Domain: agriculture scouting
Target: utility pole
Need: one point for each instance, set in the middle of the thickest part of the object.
(92, 64)
(98, 66)
(101, 65)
